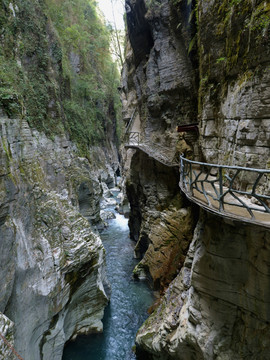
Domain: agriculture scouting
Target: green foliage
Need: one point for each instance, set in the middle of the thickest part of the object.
(56, 69)
(9, 97)
(221, 59)
(192, 43)
(87, 67)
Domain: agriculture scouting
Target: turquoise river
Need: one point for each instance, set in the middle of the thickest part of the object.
(128, 306)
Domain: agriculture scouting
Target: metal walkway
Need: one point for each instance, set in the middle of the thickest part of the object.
(152, 150)
(217, 188)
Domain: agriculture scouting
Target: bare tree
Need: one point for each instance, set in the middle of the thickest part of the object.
(116, 31)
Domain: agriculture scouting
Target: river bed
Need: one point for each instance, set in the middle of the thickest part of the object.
(127, 310)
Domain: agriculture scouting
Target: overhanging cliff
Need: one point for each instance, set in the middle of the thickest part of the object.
(209, 64)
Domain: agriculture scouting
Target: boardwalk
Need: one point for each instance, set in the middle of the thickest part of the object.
(152, 150)
(217, 188)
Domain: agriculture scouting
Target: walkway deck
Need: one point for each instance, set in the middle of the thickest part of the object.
(152, 150)
(217, 188)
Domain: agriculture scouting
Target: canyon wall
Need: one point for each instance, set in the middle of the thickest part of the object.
(161, 221)
(218, 305)
(159, 92)
(234, 93)
(159, 79)
(57, 154)
(186, 65)
(53, 283)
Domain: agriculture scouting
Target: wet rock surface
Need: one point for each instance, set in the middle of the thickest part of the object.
(53, 283)
(234, 85)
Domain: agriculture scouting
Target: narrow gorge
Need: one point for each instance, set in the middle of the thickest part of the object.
(58, 156)
(195, 83)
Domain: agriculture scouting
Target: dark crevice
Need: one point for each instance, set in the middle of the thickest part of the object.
(138, 30)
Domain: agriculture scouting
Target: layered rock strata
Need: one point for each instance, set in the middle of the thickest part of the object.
(216, 306)
(159, 81)
(57, 154)
(160, 221)
(158, 93)
(234, 91)
(53, 283)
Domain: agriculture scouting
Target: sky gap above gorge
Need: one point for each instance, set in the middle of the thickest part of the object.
(107, 10)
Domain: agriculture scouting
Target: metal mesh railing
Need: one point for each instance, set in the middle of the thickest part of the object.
(155, 151)
(231, 191)
(133, 138)
(228, 189)
(131, 120)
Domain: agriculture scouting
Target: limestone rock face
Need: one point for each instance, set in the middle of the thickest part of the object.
(53, 284)
(234, 83)
(205, 62)
(169, 235)
(160, 222)
(158, 77)
(218, 305)
(158, 93)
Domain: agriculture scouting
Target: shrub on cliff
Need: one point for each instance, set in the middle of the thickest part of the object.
(56, 69)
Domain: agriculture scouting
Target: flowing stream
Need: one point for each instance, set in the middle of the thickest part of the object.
(128, 306)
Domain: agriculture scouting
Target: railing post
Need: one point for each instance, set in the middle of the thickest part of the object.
(221, 204)
(190, 179)
(181, 170)
(214, 188)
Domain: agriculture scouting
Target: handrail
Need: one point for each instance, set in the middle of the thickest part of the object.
(130, 121)
(218, 188)
(133, 138)
(225, 166)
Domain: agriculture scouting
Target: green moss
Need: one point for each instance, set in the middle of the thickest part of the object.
(260, 20)
(38, 78)
(6, 148)
(239, 34)
(242, 23)
(148, 336)
(11, 175)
